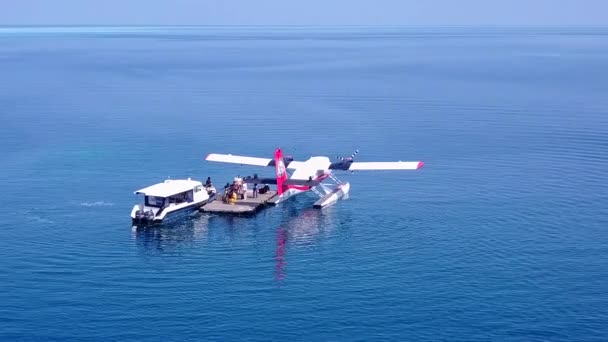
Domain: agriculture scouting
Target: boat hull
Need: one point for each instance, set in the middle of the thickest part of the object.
(169, 214)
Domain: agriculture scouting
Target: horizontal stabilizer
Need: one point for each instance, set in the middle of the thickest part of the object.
(300, 182)
(257, 180)
(304, 182)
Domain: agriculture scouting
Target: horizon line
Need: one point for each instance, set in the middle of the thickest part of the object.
(304, 25)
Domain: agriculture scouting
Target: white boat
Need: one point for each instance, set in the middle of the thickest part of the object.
(169, 199)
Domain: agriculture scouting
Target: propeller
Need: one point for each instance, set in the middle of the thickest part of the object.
(352, 156)
(344, 162)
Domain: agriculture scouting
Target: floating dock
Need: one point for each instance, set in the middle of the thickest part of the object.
(246, 206)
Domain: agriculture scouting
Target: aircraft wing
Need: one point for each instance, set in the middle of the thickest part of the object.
(234, 159)
(293, 165)
(355, 166)
(229, 158)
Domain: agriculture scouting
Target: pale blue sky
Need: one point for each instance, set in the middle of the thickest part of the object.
(304, 12)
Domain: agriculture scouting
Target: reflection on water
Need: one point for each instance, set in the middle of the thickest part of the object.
(172, 236)
(298, 228)
(306, 225)
(280, 254)
(302, 227)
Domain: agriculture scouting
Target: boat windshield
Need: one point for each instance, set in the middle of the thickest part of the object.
(154, 201)
(159, 202)
(181, 198)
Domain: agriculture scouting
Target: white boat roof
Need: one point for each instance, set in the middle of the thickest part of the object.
(169, 187)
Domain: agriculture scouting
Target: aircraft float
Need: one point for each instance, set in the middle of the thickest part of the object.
(315, 174)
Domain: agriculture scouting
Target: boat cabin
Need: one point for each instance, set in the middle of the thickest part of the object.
(169, 197)
(171, 192)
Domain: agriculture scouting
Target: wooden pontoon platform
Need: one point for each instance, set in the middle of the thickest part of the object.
(247, 206)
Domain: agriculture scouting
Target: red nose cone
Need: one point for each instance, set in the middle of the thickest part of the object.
(420, 164)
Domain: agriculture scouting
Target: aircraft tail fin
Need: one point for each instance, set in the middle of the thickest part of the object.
(281, 171)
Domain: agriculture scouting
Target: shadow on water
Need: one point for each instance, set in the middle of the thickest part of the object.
(298, 227)
(172, 236)
(195, 231)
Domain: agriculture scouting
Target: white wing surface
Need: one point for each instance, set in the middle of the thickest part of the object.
(386, 165)
(295, 165)
(229, 158)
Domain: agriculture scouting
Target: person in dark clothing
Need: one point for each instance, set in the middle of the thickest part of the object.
(208, 182)
(255, 190)
(226, 192)
(261, 191)
(264, 189)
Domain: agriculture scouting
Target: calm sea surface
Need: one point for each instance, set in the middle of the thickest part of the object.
(503, 235)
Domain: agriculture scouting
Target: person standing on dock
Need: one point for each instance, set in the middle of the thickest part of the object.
(244, 190)
(255, 190)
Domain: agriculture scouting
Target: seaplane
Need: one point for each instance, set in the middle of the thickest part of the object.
(315, 174)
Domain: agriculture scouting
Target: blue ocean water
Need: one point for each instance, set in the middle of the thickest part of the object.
(501, 236)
